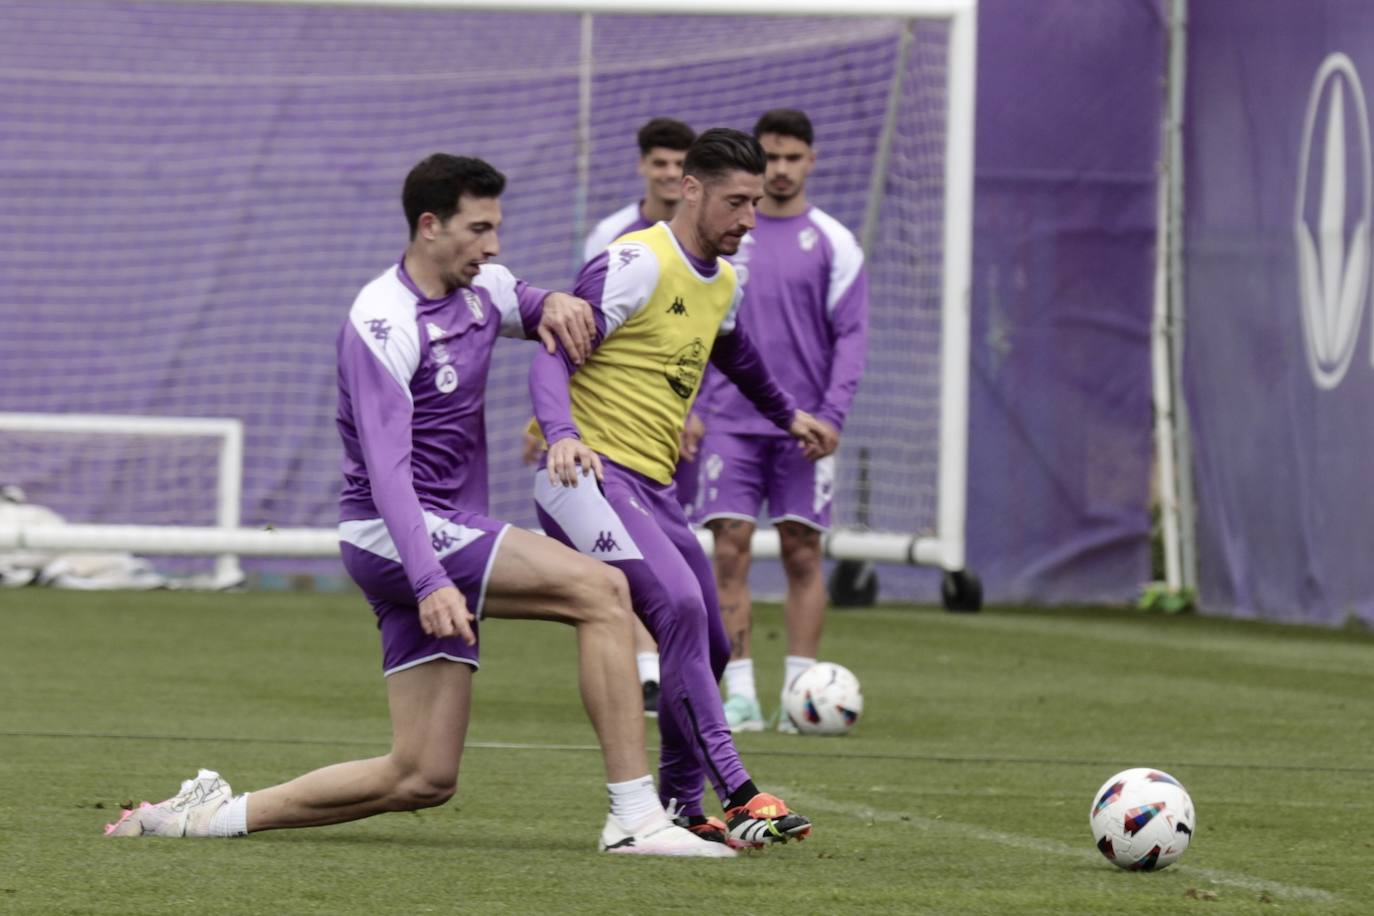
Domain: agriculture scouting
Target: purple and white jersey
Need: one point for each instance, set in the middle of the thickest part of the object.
(629, 218)
(412, 380)
(806, 305)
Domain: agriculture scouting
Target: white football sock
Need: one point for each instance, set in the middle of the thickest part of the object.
(648, 666)
(739, 679)
(231, 819)
(794, 665)
(633, 801)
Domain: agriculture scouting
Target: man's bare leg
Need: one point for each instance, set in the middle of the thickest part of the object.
(429, 715)
(804, 607)
(732, 558)
(536, 577)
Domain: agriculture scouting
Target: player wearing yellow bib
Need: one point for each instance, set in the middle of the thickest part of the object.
(665, 302)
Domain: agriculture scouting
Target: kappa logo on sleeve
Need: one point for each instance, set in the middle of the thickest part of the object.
(626, 257)
(379, 328)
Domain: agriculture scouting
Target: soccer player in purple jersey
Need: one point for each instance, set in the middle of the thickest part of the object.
(663, 144)
(664, 302)
(413, 361)
(807, 295)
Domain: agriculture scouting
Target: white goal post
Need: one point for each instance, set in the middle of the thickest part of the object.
(228, 434)
(943, 548)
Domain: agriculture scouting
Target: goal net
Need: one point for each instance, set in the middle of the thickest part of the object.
(193, 198)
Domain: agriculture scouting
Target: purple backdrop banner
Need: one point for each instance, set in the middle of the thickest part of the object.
(1278, 368)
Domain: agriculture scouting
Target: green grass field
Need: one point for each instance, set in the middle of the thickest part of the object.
(964, 789)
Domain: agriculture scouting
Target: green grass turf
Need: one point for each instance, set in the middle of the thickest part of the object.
(964, 789)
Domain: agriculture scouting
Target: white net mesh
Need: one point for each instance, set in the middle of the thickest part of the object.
(190, 201)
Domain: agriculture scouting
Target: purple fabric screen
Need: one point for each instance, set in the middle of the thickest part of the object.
(1278, 373)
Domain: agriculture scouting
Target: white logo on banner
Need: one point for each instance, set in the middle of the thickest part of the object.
(1333, 267)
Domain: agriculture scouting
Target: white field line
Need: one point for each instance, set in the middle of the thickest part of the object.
(1047, 847)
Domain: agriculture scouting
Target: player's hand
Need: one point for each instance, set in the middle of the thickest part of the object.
(817, 438)
(444, 612)
(567, 320)
(569, 458)
(690, 440)
(530, 447)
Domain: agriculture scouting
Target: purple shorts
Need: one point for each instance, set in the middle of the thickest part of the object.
(470, 544)
(685, 484)
(738, 473)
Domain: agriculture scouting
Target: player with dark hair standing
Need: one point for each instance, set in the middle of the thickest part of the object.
(807, 295)
(413, 360)
(664, 302)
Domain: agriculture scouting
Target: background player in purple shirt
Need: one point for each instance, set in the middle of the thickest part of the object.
(413, 361)
(806, 296)
(663, 144)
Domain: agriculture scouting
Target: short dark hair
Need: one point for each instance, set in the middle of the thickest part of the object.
(437, 183)
(667, 133)
(723, 149)
(787, 122)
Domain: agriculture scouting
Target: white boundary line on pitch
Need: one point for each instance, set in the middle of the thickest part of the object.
(1053, 847)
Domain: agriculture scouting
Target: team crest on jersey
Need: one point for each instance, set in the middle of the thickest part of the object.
(474, 303)
(439, 353)
(446, 380)
(683, 369)
(807, 238)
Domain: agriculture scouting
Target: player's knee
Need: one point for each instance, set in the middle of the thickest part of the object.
(731, 556)
(422, 789)
(800, 548)
(602, 596)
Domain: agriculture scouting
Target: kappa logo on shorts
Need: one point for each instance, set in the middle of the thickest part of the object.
(605, 543)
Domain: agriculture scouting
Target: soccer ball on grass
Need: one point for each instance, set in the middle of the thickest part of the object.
(1142, 819)
(825, 699)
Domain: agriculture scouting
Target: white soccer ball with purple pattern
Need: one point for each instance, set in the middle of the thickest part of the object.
(1142, 819)
(825, 699)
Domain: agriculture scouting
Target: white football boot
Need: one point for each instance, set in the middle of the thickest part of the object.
(657, 835)
(188, 813)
